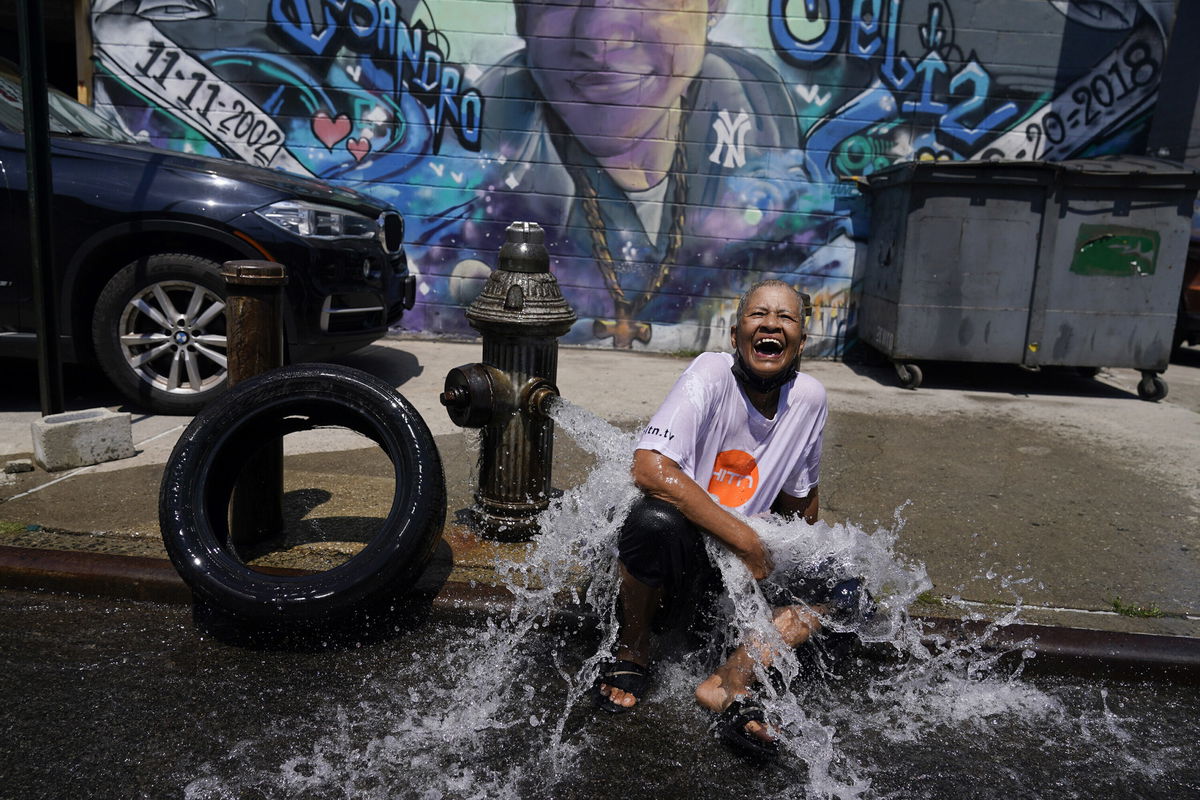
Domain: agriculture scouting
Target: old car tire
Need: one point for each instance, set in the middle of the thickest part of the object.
(158, 327)
(199, 479)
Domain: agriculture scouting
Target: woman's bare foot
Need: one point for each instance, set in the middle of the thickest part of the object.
(632, 675)
(618, 697)
(714, 694)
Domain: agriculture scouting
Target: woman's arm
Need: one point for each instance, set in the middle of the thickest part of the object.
(807, 506)
(660, 477)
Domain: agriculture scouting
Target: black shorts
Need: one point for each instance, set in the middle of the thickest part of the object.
(662, 548)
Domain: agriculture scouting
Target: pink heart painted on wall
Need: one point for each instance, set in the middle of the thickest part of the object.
(330, 131)
(359, 148)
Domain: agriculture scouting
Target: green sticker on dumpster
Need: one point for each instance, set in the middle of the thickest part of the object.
(1115, 251)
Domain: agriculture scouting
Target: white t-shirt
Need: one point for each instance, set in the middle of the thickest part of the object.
(710, 429)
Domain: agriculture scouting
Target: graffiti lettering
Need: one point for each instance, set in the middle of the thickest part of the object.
(191, 91)
(1092, 100)
(809, 40)
(953, 123)
(1118, 88)
(788, 33)
(931, 68)
(896, 69)
(251, 130)
(956, 105)
(374, 29)
(864, 39)
(295, 19)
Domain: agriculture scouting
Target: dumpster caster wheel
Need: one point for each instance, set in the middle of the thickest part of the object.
(909, 374)
(1151, 388)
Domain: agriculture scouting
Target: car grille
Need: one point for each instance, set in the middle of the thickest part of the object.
(391, 231)
(349, 313)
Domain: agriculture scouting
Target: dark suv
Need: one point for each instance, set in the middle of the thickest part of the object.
(139, 235)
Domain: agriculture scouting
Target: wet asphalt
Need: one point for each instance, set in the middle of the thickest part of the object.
(123, 700)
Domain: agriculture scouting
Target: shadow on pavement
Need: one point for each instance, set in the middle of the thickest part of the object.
(83, 387)
(397, 367)
(965, 376)
(1186, 356)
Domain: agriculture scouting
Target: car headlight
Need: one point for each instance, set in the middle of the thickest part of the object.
(318, 222)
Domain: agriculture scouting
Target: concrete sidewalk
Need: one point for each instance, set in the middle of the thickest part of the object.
(1065, 492)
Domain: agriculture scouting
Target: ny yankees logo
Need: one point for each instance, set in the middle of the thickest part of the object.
(731, 139)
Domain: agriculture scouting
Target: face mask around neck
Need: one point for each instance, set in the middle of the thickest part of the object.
(749, 380)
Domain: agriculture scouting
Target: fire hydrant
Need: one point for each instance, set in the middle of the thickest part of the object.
(520, 313)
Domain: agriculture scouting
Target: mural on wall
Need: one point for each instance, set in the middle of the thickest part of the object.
(675, 150)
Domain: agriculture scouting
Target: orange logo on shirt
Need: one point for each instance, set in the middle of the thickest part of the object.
(734, 477)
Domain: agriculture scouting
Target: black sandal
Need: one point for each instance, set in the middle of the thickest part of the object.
(730, 728)
(628, 676)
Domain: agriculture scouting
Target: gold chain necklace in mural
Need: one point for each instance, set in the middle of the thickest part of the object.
(624, 329)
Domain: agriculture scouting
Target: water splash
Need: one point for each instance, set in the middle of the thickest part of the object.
(500, 713)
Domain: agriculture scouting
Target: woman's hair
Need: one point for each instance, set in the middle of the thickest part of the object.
(805, 300)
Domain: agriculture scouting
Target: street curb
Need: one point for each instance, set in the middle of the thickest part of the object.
(1079, 651)
(1083, 651)
(101, 574)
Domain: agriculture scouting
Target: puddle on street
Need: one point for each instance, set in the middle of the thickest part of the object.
(125, 700)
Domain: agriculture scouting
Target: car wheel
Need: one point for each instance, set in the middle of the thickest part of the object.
(159, 332)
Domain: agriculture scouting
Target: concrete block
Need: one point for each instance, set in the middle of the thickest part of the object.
(18, 465)
(79, 438)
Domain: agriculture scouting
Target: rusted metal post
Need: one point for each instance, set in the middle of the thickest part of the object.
(254, 332)
(521, 313)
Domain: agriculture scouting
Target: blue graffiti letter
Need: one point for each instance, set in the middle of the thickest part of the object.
(294, 18)
(864, 38)
(808, 51)
(952, 123)
(930, 67)
(891, 61)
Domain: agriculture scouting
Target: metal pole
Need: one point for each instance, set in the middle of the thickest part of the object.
(35, 99)
(254, 336)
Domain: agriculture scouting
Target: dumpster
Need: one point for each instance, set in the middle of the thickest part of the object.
(1073, 263)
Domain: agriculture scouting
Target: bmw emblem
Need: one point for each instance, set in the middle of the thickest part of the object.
(181, 338)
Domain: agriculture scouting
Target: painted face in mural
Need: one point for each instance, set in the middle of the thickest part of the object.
(615, 69)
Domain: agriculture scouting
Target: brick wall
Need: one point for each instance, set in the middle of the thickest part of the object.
(675, 150)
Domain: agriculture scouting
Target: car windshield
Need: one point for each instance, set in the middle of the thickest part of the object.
(67, 117)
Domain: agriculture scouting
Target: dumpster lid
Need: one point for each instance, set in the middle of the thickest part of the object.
(1126, 164)
(1115, 170)
(1009, 172)
(1129, 171)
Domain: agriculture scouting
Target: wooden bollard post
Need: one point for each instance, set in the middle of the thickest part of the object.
(254, 331)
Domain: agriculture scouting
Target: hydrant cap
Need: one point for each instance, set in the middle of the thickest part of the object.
(525, 249)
